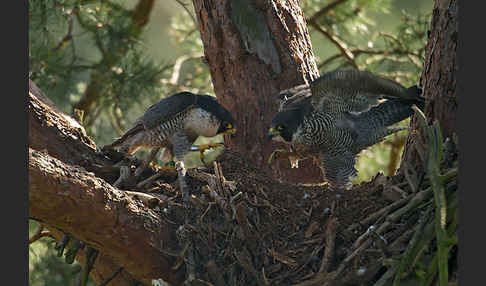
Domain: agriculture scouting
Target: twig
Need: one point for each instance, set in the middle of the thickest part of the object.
(407, 177)
(358, 52)
(329, 60)
(39, 234)
(350, 257)
(118, 116)
(149, 180)
(400, 191)
(91, 255)
(222, 203)
(68, 36)
(114, 122)
(403, 238)
(184, 5)
(386, 277)
(215, 273)
(327, 258)
(243, 258)
(410, 251)
(416, 200)
(326, 9)
(241, 218)
(374, 216)
(337, 42)
(146, 199)
(178, 64)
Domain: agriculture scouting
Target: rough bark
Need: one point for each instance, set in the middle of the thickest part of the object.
(65, 194)
(438, 81)
(254, 49)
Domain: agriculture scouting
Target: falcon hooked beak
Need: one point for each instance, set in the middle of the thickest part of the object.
(227, 128)
(272, 132)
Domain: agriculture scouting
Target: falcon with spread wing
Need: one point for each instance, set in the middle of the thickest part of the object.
(337, 116)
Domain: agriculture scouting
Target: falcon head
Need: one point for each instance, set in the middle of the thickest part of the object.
(295, 105)
(285, 124)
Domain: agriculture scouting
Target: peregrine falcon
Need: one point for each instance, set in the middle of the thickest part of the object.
(337, 116)
(174, 123)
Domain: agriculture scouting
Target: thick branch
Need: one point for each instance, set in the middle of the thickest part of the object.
(109, 220)
(65, 194)
(60, 135)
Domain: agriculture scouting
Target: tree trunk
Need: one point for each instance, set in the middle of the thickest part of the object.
(255, 49)
(438, 80)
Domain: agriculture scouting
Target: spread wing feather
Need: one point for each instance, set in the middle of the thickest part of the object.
(356, 91)
(298, 97)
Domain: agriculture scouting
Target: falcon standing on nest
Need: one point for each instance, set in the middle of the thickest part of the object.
(337, 116)
(174, 123)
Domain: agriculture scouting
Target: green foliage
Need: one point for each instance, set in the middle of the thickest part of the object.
(46, 268)
(75, 44)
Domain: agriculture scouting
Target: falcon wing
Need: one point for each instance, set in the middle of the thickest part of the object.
(355, 91)
(298, 97)
(166, 109)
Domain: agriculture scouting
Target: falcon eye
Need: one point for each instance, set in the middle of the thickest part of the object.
(280, 127)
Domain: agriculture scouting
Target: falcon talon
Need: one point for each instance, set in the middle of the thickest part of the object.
(168, 167)
(348, 186)
(180, 167)
(276, 155)
(280, 154)
(294, 162)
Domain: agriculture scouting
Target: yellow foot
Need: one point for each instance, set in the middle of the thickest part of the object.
(280, 154)
(168, 167)
(204, 147)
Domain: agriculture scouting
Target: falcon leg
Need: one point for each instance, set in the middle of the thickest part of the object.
(338, 168)
(181, 146)
(146, 162)
(204, 147)
(185, 236)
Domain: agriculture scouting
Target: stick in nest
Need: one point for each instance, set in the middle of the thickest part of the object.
(327, 258)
